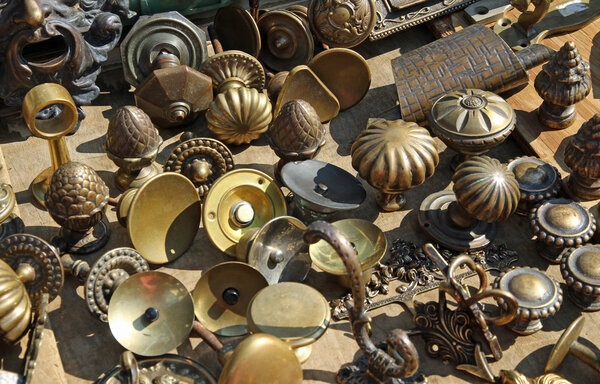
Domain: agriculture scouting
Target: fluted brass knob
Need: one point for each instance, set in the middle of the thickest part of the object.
(537, 179)
(471, 122)
(342, 23)
(559, 224)
(394, 156)
(563, 81)
(76, 200)
(580, 267)
(232, 69)
(16, 315)
(132, 143)
(538, 295)
(484, 192)
(10, 223)
(582, 155)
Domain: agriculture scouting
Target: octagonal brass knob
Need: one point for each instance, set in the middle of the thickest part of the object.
(537, 179)
(538, 296)
(580, 267)
(559, 224)
(581, 155)
(484, 192)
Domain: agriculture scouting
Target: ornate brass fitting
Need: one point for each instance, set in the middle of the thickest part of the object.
(564, 81)
(132, 144)
(582, 156)
(10, 223)
(537, 179)
(568, 344)
(484, 192)
(559, 224)
(394, 156)
(76, 200)
(580, 268)
(471, 122)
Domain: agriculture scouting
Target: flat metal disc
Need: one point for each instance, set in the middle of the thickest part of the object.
(129, 303)
(210, 305)
(164, 217)
(237, 30)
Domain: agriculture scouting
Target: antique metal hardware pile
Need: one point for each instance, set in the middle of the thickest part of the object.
(273, 239)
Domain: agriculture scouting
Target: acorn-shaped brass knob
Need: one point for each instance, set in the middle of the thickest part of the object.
(537, 179)
(10, 223)
(562, 82)
(538, 295)
(582, 155)
(394, 156)
(296, 133)
(484, 192)
(471, 122)
(580, 268)
(132, 143)
(16, 313)
(559, 224)
(76, 200)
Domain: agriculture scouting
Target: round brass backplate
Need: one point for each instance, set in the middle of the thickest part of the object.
(237, 30)
(151, 313)
(335, 67)
(240, 200)
(164, 217)
(222, 295)
(342, 23)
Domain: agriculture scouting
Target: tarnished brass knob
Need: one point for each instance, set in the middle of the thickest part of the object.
(582, 155)
(580, 267)
(10, 223)
(559, 224)
(132, 143)
(16, 315)
(568, 344)
(233, 69)
(538, 295)
(537, 179)
(471, 122)
(484, 192)
(275, 84)
(76, 199)
(343, 23)
(394, 156)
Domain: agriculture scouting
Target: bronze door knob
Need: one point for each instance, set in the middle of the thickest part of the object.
(484, 192)
(568, 344)
(537, 179)
(580, 268)
(16, 316)
(234, 69)
(10, 223)
(559, 224)
(538, 296)
(581, 155)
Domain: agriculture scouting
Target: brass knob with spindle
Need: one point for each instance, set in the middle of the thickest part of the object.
(569, 344)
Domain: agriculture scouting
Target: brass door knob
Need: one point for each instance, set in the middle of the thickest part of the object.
(538, 296)
(275, 84)
(76, 199)
(563, 81)
(581, 155)
(537, 179)
(294, 312)
(202, 160)
(394, 156)
(559, 224)
(10, 223)
(234, 69)
(343, 23)
(484, 192)
(568, 344)
(132, 143)
(237, 30)
(580, 267)
(471, 122)
(16, 316)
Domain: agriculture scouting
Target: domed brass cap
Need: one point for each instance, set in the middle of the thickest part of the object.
(558, 224)
(538, 295)
(537, 179)
(239, 115)
(230, 69)
(394, 156)
(343, 23)
(580, 268)
(15, 314)
(582, 156)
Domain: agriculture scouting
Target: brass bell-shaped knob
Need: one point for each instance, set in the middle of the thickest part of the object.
(581, 155)
(484, 192)
(580, 267)
(537, 179)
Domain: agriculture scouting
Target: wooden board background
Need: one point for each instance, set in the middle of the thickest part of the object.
(85, 346)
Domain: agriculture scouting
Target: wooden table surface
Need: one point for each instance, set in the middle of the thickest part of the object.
(85, 346)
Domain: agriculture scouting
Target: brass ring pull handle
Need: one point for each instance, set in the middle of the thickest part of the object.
(405, 361)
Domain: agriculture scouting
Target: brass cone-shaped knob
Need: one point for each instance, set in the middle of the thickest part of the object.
(581, 155)
(15, 312)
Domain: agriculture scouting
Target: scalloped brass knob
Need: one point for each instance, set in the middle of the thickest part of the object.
(580, 267)
(132, 143)
(471, 122)
(394, 156)
(538, 296)
(581, 155)
(15, 317)
(233, 69)
(537, 179)
(484, 192)
(342, 23)
(559, 224)
(568, 344)
(76, 199)
(10, 223)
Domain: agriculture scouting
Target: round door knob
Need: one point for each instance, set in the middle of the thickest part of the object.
(580, 268)
(537, 179)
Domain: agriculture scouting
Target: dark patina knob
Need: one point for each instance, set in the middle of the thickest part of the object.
(582, 155)
(76, 199)
(537, 179)
(580, 268)
(132, 144)
(538, 296)
(559, 224)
